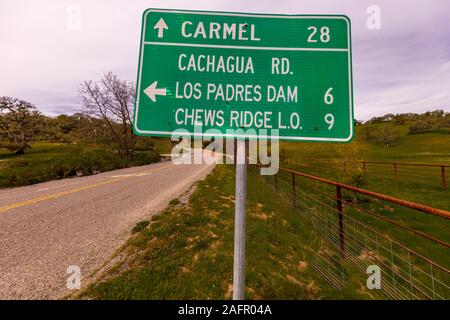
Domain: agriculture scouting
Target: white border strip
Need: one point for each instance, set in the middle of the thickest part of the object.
(250, 15)
(243, 135)
(176, 44)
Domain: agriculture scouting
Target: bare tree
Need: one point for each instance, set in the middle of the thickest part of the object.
(386, 136)
(367, 131)
(111, 100)
(17, 124)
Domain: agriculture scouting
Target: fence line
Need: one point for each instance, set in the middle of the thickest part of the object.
(440, 169)
(407, 274)
(405, 203)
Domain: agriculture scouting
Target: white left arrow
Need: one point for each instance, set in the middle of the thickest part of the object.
(161, 25)
(151, 91)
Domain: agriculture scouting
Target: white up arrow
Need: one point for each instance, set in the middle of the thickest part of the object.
(151, 91)
(161, 25)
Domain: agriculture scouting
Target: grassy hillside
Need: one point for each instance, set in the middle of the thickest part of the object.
(424, 147)
(419, 184)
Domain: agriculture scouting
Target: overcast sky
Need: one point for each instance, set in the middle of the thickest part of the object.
(45, 54)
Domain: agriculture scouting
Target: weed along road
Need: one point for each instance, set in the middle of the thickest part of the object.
(47, 227)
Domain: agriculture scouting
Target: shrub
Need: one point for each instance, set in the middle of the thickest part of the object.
(74, 163)
(358, 179)
(386, 136)
(140, 226)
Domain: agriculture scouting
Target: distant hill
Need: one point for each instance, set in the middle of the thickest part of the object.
(405, 137)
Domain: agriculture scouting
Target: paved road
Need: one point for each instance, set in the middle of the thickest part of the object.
(47, 227)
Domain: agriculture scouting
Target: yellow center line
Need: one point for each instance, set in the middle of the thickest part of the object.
(67, 192)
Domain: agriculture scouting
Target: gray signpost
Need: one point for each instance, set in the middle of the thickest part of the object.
(239, 222)
(258, 71)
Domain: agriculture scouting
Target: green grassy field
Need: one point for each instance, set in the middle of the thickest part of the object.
(422, 148)
(39, 149)
(366, 231)
(418, 184)
(162, 145)
(186, 252)
(49, 161)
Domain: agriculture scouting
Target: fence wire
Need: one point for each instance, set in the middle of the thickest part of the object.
(404, 175)
(413, 264)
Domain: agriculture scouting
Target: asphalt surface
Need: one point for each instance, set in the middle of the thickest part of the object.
(47, 227)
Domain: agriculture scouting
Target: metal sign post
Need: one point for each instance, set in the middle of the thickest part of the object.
(204, 74)
(239, 222)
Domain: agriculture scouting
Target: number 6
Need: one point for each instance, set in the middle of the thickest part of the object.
(328, 98)
(329, 119)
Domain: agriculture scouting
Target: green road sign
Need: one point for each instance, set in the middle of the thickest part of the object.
(226, 71)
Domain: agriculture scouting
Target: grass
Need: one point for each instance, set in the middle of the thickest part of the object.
(141, 225)
(422, 148)
(162, 145)
(174, 202)
(187, 251)
(425, 147)
(429, 224)
(49, 161)
(418, 184)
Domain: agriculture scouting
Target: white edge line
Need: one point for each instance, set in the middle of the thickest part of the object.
(241, 135)
(177, 44)
(256, 16)
(250, 15)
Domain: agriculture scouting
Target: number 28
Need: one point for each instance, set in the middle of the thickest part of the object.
(324, 34)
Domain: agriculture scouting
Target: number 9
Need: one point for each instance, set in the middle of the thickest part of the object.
(329, 119)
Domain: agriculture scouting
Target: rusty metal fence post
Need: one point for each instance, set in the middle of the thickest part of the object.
(341, 220)
(276, 182)
(294, 193)
(444, 184)
(395, 171)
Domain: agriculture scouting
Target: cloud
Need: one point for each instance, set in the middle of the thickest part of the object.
(401, 68)
(429, 92)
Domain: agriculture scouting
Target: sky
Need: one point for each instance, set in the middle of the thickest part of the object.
(48, 47)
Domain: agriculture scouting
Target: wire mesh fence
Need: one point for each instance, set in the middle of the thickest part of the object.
(408, 242)
(403, 180)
